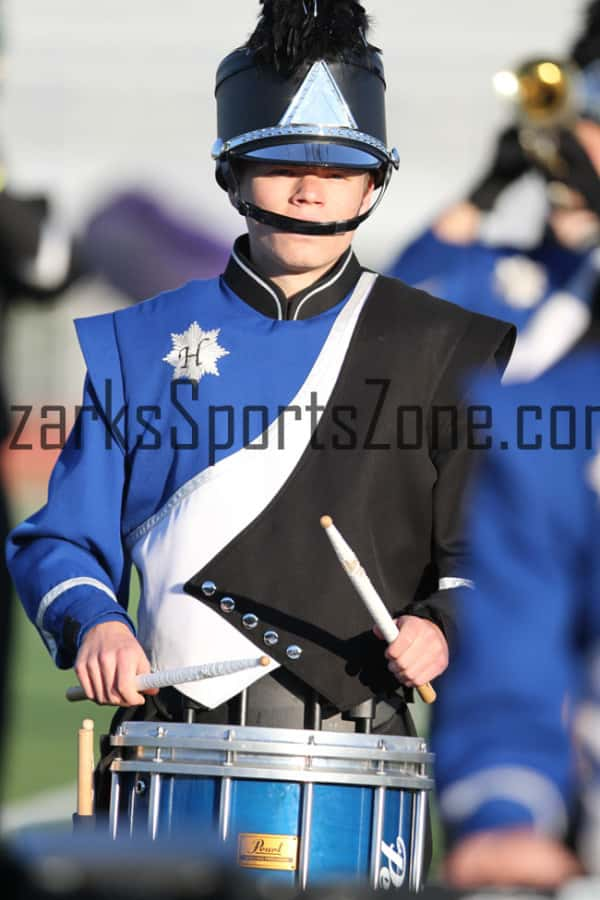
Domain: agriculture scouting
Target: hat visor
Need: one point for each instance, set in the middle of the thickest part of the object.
(315, 153)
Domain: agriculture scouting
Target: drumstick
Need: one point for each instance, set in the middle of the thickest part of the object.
(171, 677)
(85, 769)
(368, 594)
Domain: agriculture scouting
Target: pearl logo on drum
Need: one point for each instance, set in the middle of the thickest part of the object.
(268, 851)
(261, 847)
(394, 873)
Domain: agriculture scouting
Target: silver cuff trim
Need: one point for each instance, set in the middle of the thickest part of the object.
(446, 584)
(57, 591)
(518, 784)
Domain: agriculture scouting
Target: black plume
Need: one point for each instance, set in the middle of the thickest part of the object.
(292, 32)
(587, 46)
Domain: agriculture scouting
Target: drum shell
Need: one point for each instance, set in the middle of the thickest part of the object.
(293, 807)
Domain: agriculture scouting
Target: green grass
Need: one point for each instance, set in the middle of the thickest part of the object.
(41, 746)
(41, 749)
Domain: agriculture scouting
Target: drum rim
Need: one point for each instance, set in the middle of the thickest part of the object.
(273, 754)
(325, 777)
(152, 734)
(279, 749)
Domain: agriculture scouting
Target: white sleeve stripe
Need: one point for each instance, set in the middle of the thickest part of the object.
(549, 334)
(57, 591)
(445, 584)
(517, 784)
(50, 643)
(64, 586)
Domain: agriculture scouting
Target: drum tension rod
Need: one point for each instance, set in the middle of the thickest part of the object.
(243, 706)
(313, 713)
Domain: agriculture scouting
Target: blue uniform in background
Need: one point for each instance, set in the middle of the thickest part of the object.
(502, 722)
(546, 291)
(503, 281)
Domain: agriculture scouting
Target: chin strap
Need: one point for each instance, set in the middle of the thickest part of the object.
(287, 223)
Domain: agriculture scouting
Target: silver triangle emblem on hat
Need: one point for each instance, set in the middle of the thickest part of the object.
(319, 101)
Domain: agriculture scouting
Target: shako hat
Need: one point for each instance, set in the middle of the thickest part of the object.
(307, 89)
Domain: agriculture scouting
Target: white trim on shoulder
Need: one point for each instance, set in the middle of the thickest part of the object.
(446, 584)
(518, 784)
(57, 591)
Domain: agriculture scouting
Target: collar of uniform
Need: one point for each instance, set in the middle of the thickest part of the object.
(246, 280)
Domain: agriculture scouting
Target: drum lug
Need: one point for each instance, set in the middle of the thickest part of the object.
(140, 787)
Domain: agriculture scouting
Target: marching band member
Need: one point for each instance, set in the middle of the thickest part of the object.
(221, 419)
(36, 263)
(488, 252)
(506, 755)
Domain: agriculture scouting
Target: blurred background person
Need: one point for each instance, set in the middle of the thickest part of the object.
(37, 262)
(587, 736)
(142, 248)
(523, 244)
(510, 788)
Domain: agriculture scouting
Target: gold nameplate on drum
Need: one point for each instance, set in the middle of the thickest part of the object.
(268, 851)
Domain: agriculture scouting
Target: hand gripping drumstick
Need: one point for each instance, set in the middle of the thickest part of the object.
(171, 677)
(368, 594)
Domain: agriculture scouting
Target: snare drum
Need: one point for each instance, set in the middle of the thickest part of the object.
(299, 807)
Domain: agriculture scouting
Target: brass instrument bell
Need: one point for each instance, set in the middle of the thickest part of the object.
(544, 92)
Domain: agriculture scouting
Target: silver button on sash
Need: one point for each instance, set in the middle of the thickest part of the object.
(249, 621)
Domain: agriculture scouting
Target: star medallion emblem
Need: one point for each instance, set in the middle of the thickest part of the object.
(195, 353)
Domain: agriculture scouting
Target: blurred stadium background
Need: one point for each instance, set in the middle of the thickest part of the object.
(100, 97)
